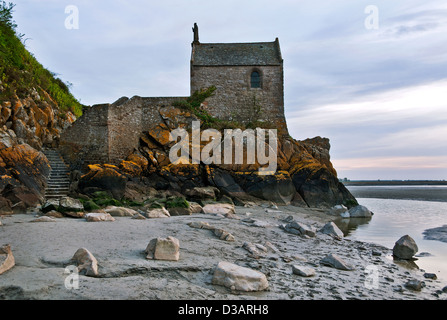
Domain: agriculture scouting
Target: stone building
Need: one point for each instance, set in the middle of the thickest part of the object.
(249, 82)
(248, 77)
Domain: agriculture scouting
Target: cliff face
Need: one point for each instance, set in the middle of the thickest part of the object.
(35, 108)
(304, 175)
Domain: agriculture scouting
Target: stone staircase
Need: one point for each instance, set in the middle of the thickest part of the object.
(58, 182)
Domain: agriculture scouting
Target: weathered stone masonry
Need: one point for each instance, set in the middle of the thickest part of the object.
(108, 133)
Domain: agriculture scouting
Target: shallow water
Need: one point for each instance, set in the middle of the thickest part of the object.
(394, 218)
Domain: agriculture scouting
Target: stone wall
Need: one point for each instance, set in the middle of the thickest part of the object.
(234, 98)
(128, 120)
(108, 133)
(86, 140)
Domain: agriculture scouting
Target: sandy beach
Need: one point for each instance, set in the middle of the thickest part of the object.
(42, 250)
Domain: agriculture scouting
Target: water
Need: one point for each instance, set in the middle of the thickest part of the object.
(399, 215)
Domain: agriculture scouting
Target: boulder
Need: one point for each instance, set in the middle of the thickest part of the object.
(5, 206)
(54, 214)
(163, 249)
(360, 212)
(86, 262)
(431, 276)
(7, 260)
(300, 229)
(414, 285)
(50, 205)
(103, 177)
(195, 207)
(303, 271)
(405, 248)
(334, 261)
(331, 229)
(74, 214)
(157, 213)
(120, 211)
(179, 211)
(218, 208)
(98, 216)
(239, 278)
(277, 187)
(67, 204)
(202, 193)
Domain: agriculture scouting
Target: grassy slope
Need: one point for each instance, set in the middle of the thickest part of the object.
(20, 72)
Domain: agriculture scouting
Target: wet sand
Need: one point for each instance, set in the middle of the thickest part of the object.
(422, 193)
(42, 251)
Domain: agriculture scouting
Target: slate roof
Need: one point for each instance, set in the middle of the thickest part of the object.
(236, 54)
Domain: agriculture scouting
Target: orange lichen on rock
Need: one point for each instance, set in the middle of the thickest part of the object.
(131, 168)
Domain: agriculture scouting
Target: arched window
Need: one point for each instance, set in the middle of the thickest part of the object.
(255, 79)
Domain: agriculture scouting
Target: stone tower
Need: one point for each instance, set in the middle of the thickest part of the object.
(249, 79)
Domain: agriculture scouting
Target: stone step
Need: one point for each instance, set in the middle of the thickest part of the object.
(58, 183)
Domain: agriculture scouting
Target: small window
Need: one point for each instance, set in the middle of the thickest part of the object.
(255, 79)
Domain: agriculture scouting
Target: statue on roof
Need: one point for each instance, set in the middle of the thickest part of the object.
(196, 33)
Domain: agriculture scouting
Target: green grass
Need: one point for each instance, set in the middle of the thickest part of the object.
(21, 72)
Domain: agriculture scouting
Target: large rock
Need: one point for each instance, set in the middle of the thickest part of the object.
(50, 205)
(300, 229)
(218, 208)
(23, 172)
(98, 217)
(360, 212)
(405, 248)
(5, 206)
(180, 211)
(86, 262)
(239, 278)
(331, 229)
(103, 177)
(163, 249)
(303, 271)
(334, 261)
(157, 213)
(67, 204)
(202, 193)
(120, 211)
(278, 187)
(7, 260)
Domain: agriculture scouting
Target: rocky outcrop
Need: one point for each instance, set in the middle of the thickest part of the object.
(26, 126)
(23, 172)
(304, 174)
(439, 233)
(36, 120)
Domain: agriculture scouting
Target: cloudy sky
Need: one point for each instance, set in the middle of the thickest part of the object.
(374, 82)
